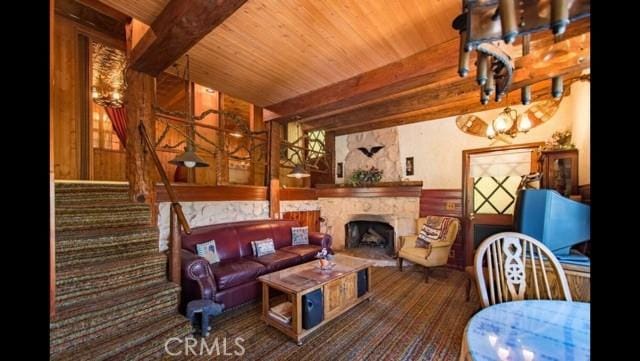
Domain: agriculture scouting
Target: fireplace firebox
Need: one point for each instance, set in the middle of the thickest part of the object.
(377, 235)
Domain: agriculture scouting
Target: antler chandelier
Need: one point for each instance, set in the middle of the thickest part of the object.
(483, 24)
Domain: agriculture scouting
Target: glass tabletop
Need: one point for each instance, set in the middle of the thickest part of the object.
(308, 275)
(531, 330)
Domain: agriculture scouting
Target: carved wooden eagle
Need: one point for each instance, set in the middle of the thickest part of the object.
(371, 151)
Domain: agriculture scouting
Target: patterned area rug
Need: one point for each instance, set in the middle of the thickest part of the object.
(406, 319)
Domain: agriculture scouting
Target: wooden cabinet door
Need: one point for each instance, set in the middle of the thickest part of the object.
(333, 296)
(350, 287)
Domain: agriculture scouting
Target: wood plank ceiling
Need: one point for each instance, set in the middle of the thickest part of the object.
(270, 51)
(351, 65)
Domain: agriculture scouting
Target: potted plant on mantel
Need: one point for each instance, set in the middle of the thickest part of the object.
(365, 177)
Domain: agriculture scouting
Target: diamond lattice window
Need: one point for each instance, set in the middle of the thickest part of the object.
(495, 195)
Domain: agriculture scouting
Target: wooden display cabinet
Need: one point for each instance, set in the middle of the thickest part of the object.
(559, 169)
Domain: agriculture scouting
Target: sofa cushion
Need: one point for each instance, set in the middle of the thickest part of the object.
(278, 260)
(299, 235)
(306, 251)
(233, 272)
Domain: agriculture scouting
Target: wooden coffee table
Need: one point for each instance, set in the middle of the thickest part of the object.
(339, 292)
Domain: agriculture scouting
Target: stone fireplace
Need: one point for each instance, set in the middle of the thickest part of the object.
(399, 213)
(372, 234)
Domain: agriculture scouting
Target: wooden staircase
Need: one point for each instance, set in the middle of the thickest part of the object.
(113, 299)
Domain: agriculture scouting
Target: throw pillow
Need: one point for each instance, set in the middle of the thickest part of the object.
(299, 235)
(209, 251)
(431, 231)
(263, 247)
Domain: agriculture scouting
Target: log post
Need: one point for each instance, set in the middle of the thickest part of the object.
(140, 172)
(52, 193)
(274, 169)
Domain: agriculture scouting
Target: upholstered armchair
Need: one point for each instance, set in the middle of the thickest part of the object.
(436, 252)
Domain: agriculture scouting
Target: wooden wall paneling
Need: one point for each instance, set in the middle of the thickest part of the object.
(200, 193)
(446, 202)
(52, 190)
(83, 89)
(65, 100)
(305, 218)
(109, 165)
(298, 194)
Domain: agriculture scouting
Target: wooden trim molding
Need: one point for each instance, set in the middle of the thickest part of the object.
(201, 193)
(411, 189)
(298, 194)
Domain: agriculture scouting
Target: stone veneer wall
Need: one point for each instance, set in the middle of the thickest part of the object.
(386, 159)
(299, 206)
(339, 211)
(205, 213)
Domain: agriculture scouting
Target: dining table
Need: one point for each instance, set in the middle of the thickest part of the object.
(529, 330)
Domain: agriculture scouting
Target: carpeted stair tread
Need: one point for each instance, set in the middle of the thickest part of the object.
(131, 344)
(106, 215)
(74, 248)
(106, 316)
(97, 279)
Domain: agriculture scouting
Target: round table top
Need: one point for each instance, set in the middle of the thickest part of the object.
(531, 330)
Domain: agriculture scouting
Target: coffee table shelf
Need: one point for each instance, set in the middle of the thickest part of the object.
(339, 291)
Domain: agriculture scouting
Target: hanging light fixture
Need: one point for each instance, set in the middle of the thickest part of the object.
(298, 172)
(486, 25)
(189, 159)
(509, 122)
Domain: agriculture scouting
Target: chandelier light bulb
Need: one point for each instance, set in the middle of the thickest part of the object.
(115, 95)
(490, 132)
(500, 124)
(525, 123)
(189, 164)
(94, 93)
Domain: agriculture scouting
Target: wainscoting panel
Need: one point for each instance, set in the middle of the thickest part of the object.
(446, 202)
(305, 218)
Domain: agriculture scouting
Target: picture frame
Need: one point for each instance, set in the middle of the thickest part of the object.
(409, 166)
(340, 170)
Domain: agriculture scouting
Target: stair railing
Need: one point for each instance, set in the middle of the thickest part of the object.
(177, 218)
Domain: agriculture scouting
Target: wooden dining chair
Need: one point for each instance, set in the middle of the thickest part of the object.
(508, 265)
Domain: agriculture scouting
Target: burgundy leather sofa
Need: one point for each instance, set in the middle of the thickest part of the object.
(233, 280)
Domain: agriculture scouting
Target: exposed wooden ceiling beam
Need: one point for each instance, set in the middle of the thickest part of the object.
(414, 71)
(461, 105)
(180, 25)
(565, 57)
(85, 13)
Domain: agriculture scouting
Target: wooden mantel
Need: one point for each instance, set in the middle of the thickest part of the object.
(383, 189)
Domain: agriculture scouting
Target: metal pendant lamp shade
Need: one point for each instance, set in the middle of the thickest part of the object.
(189, 159)
(298, 172)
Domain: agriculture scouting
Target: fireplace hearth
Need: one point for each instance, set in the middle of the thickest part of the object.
(372, 234)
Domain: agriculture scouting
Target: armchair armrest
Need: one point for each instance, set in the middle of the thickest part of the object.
(323, 240)
(438, 244)
(408, 241)
(197, 279)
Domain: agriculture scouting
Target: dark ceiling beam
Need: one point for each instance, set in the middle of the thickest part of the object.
(565, 57)
(105, 20)
(414, 71)
(180, 25)
(465, 104)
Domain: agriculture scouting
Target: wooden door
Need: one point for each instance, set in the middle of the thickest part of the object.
(482, 214)
(333, 298)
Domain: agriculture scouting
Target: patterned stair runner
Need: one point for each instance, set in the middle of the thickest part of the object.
(113, 299)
